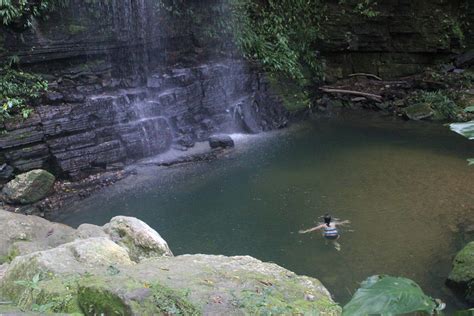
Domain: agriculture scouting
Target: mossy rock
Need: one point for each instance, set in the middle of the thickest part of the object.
(119, 296)
(463, 265)
(136, 274)
(184, 285)
(30, 187)
(462, 274)
(419, 111)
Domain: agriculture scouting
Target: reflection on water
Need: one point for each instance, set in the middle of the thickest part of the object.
(405, 187)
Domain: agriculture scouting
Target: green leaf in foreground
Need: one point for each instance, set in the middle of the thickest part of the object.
(470, 161)
(385, 295)
(468, 312)
(464, 129)
(469, 109)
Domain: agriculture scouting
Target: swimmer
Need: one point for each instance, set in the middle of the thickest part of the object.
(330, 231)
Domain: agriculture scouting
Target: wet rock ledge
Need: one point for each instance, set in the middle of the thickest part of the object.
(126, 268)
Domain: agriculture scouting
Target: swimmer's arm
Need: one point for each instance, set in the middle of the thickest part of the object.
(311, 229)
(342, 223)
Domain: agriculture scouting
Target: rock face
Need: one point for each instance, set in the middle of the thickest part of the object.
(221, 141)
(93, 272)
(462, 275)
(128, 85)
(401, 39)
(29, 187)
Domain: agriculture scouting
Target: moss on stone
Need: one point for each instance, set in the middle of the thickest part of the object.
(96, 299)
(171, 302)
(76, 29)
(419, 111)
(463, 265)
(60, 295)
(268, 301)
(293, 97)
(29, 187)
(13, 252)
(116, 296)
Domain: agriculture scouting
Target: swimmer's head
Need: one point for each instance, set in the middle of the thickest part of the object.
(327, 219)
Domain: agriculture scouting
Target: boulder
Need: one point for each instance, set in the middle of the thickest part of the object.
(462, 274)
(136, 236)
(75, 258)
(23, 234)
(68, 262)
(221, 141)
(465, 60)
(187, 285)
(29, 187)
(101, 271)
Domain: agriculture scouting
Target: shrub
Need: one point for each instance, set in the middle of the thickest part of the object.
(21, 11)
(443, 106)
(18, 91)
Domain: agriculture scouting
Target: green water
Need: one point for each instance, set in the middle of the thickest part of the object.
(405, 186)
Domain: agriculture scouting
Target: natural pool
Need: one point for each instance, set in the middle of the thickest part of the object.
(405, 186)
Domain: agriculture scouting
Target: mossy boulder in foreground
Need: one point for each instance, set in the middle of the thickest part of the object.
(462, 275)
(95, 272)
(29, 187)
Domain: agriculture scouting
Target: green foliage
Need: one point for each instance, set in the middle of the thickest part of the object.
(469, 109)
(366, 8)
(452, 26)
(464, 129)
(293, 96)
(443, 106)
(468, 312)
(12, 254)
(385, 295)
(18, 90)
(280, 35)
(30, 284)
(21, 11)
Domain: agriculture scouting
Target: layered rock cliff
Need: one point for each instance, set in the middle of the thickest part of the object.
(128, 79)
(394, 38)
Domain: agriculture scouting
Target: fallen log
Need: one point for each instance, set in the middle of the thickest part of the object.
(374, 97)
(360, 74)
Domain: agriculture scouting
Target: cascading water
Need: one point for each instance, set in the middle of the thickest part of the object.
(129, 79)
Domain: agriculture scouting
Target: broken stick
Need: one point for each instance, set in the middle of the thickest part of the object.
(361, 74)
(374, 97)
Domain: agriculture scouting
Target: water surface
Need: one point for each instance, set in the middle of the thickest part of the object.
(405, 186)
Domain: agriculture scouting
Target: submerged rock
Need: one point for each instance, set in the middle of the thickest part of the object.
(104, 271)
(462, 274)
(29, 187)
(221, 141)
